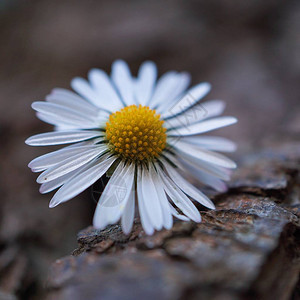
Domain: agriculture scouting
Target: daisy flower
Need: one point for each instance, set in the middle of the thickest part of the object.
(142, 132)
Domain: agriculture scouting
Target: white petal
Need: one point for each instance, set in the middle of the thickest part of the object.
(71, 100)
(70, 123)
(207, 179)
(211, 143)
(128, 214)
(196, 114)
(59, 123)
(188, 150)
(62, 127)
(66, 114)
(122, 78)
(37, 170)
(146, 223)
(114, 197)
(192, 96)
(145, 82)
(70, 164)
(205, 173)
(81, 182)
(213, 170)
(164, 203)
(179, 198)
(83, 88)
(188, 188)
(212, 108)
(86, 143)
(151, 200)
(61, 137)
(213, 182)
(204, 126)
(183, 162)
(103, 86)
(64, 94)
(47, 160)
(176, 214)
(183, 81)
(164, 84)
(54, 184)
(168, 88)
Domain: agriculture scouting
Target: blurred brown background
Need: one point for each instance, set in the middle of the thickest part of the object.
(248, 50)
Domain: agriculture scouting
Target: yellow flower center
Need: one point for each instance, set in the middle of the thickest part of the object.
(136, 133)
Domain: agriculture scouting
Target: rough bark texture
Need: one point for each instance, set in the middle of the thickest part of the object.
(247, 50)
(248, 248)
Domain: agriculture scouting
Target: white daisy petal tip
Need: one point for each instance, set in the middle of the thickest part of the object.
(28, 142)
(75, 81)
(53, 203)
(33, 104)
(93, 71)
(120, 61)
(234, 120)
(97, 226)
(234, 165)
(211, 206)
(168, 227)
(206, 86)
(149, 63)
(42, 190)
(92, 120)
(200, 90)
(148, 231)
(126, 231)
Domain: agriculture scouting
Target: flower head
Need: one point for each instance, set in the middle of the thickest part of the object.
(136, 133)
(142, 131)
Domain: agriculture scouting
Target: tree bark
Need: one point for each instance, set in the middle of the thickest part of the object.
(248, 248)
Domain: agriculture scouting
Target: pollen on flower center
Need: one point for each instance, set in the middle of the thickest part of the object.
(136, 133)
